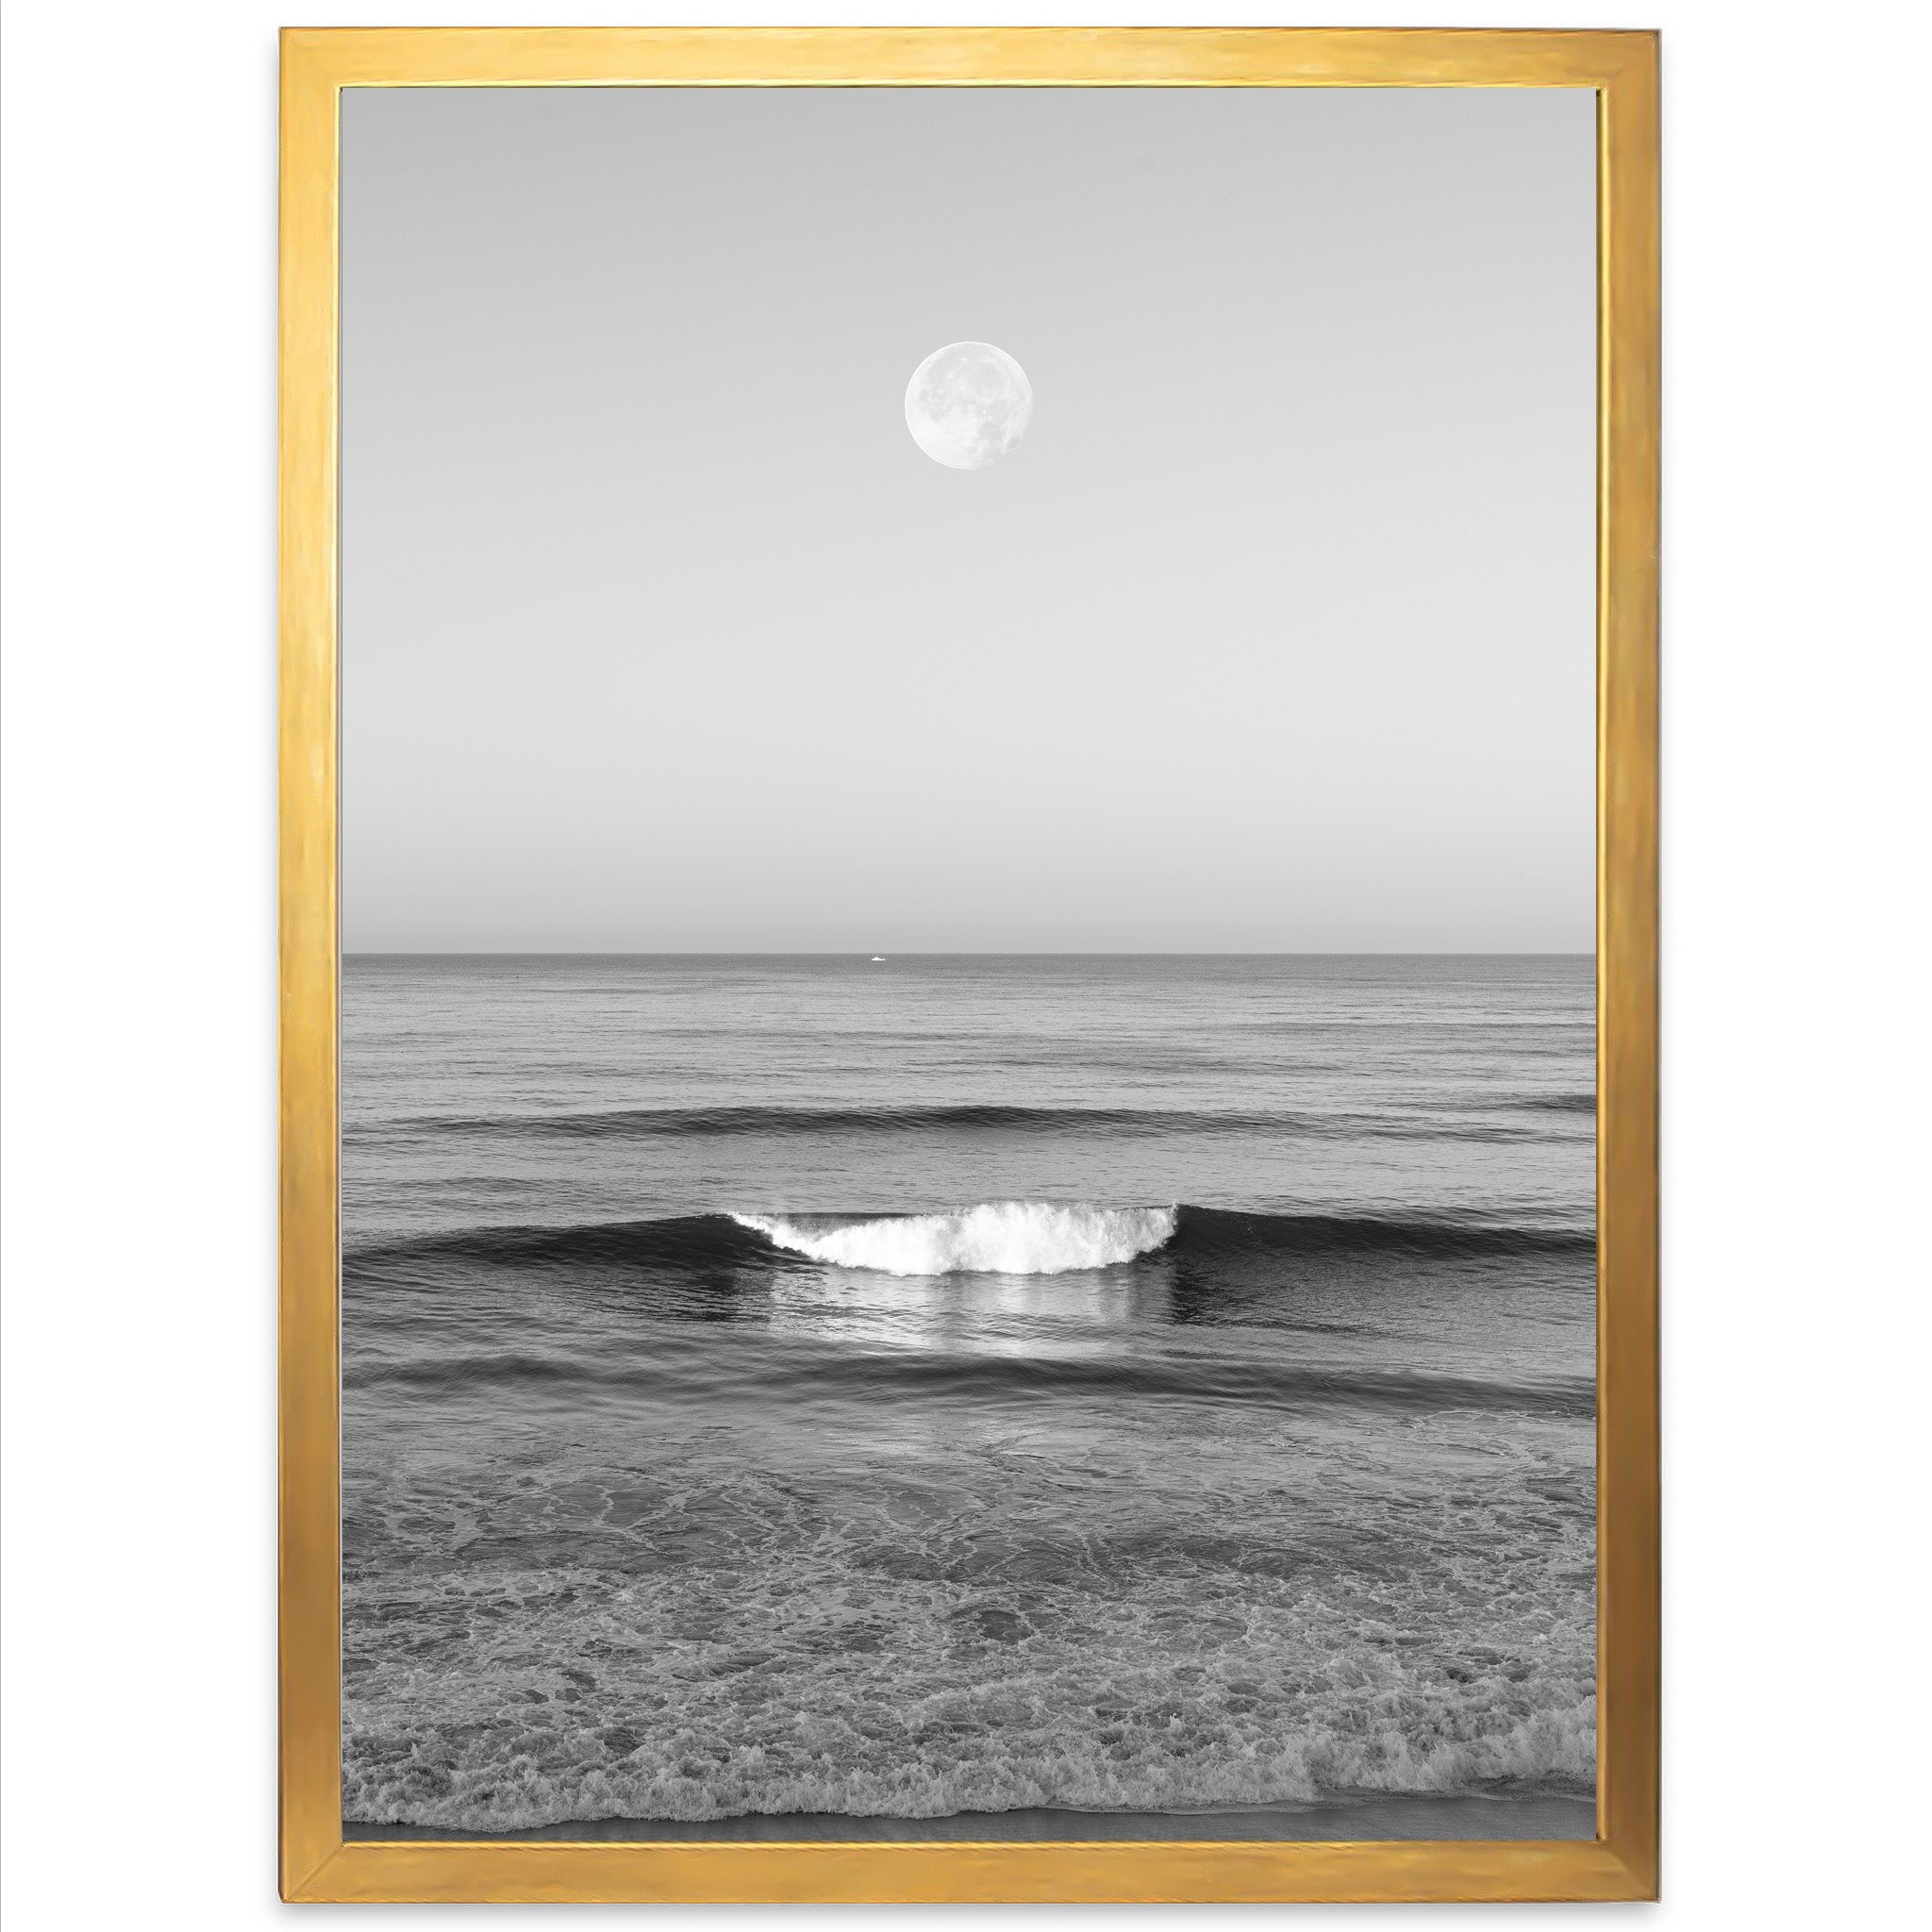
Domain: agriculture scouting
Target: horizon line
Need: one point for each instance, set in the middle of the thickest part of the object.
(967, 953)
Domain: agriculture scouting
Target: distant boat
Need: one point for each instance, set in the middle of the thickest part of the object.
(878, 958)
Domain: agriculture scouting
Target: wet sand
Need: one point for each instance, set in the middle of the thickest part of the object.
(1356, 1821)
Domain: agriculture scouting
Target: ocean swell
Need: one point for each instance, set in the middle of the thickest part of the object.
(995, 1238)
(668, 1374)
(974, 1118)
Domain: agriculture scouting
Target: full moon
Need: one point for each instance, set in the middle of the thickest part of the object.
(967, 404)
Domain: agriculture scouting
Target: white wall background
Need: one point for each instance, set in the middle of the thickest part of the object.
(139, 966)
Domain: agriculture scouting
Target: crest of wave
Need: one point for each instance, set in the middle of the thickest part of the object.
(995, 1238)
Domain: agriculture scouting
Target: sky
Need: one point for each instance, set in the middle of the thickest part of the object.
(1276, 633)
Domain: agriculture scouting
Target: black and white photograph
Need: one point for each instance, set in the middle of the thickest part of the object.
(968, 1003)
(965, 963)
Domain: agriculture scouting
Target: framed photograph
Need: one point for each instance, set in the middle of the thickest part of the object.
(968, 965)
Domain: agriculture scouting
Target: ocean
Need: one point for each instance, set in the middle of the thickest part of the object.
(1061, 1396)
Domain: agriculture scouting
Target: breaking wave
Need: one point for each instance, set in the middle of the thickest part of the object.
(998, 1236)
(995, 1238)
(516, 1774)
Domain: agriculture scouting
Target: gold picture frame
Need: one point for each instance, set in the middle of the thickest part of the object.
(1621, 1863)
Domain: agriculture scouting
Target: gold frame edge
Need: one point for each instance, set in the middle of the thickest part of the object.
(1621, 1864)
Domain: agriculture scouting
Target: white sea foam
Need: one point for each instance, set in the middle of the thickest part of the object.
(1158, 1616)
(1172, 1770)
(995, 1238)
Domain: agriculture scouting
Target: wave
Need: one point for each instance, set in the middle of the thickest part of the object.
(1228, 1231)
(1010, 1238)
(709, 1122)
(995, 1238)
(677, 1122)
(509, 1773)
(830, 1376)
(689, 1241)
